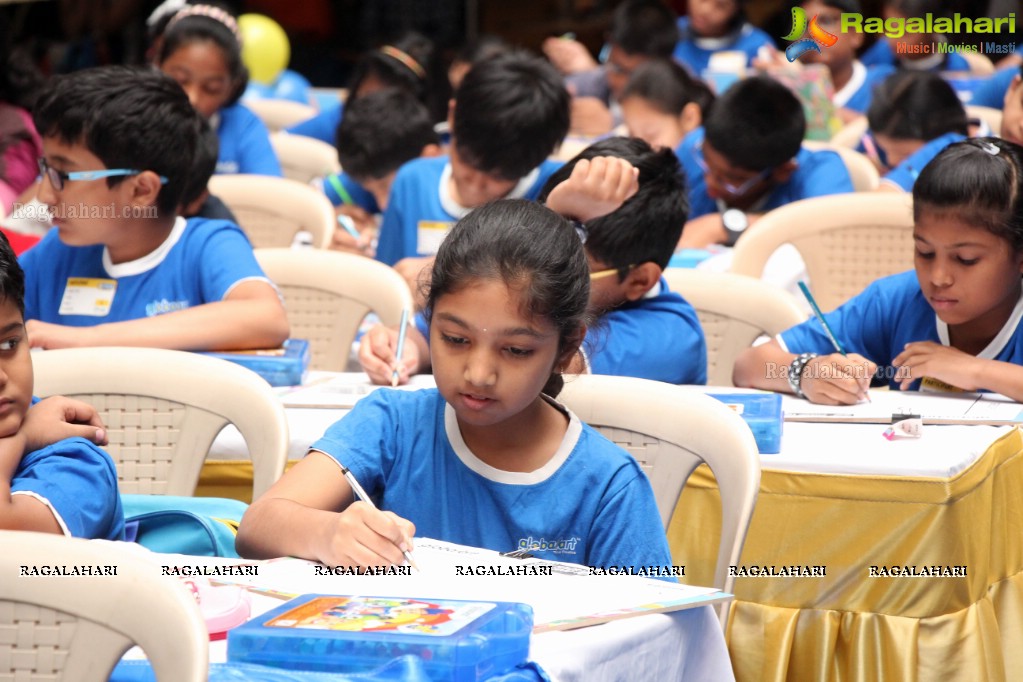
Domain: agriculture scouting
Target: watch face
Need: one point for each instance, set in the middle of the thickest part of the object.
(734, 220)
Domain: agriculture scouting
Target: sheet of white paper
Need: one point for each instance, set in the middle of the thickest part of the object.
(960, 408)
(343, 390)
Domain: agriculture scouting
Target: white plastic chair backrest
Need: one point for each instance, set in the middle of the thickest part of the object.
(304, 159)
(271, 211)
(277, 114)
(76, 628)
(163, 408)
(862, 170)
(846, 241)
(327, 294)
(734, 311)
(980, 64)
(670, 430)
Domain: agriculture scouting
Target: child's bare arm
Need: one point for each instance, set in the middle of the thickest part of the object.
(311, 513)
(827, 379)
(962, 370)
(250, 316)
(595, 188)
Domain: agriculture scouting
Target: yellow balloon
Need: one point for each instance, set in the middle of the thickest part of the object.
(265, 47)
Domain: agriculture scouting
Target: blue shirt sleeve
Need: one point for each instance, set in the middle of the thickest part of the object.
(341, 185)
(323, 126)
(245, 143)
(225, 259)
(991, 92)
(79, 480)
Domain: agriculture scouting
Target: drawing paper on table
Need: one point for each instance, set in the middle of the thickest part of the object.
(958, 408)
(561, 600)
(343, 390)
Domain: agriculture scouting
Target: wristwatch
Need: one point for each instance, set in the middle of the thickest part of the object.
(795, 375)
(735, 223)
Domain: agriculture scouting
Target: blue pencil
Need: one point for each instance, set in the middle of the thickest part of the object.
(824, 323)
(820, 316)
(349, 225)
(401, 346)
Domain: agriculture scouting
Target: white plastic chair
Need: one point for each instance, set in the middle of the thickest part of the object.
(163, 408)
(846, 241)
(989, 115)
(277, 114)
(76, 628)
(851, 133)
(272, 210)
(304, 158)
(734, 311)
(670, 430)
(327, 294)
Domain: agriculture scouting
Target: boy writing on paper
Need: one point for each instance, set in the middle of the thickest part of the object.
(53, 476)
(747, 159)
(122, 266)
(629, 202)
(509, 114)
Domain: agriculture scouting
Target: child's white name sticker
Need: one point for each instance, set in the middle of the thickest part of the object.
(88, 296)
(430, 234)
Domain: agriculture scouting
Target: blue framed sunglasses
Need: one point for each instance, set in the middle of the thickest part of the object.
(58, 177)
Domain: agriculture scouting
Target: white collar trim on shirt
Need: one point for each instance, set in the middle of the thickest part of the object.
(488, 472)
(1001, 339)
(856, 80)
(457, 211)
(148, 261)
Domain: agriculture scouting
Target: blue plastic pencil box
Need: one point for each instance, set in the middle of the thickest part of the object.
(463, 641)
(284, 366)
(762, 412)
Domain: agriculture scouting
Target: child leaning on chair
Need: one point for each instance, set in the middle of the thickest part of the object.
(53, 476)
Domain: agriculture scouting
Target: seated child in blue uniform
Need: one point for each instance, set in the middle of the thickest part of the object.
(914, 116)
(200, 49)
(954, 324)
(403, 64)
(662, 103)
(854, 82)
(716, 26)
(641, 30)
(632, 202)
(489, 458)
(748, 159)
(509, 114)
(54, 477)
(379, 133)
(121, 267)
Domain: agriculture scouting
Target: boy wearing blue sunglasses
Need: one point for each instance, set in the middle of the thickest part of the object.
(122, 266)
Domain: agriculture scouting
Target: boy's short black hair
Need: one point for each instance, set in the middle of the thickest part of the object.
(667, 85)
(645, 27)
(204, 164)
(12, 277)
(756, 124)
(916, 105)
(381, 131)
(130, 118)
(647, 227)
(511, 112)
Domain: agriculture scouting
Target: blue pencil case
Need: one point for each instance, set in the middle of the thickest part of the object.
(762, 412)
(284, 366)
(462, 641)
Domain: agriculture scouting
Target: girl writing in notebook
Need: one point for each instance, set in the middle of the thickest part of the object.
(488, 458)
(953, 324)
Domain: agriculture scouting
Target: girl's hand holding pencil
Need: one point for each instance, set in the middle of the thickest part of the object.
(837, 379)
(364, 536)
(378, 355)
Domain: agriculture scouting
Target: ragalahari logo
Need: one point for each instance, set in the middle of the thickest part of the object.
(806, 36)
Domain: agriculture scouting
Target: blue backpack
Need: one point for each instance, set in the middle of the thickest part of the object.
(200, 526)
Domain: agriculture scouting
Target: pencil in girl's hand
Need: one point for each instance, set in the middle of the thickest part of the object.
(349, 225)
(824, 323)
(400, 348)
